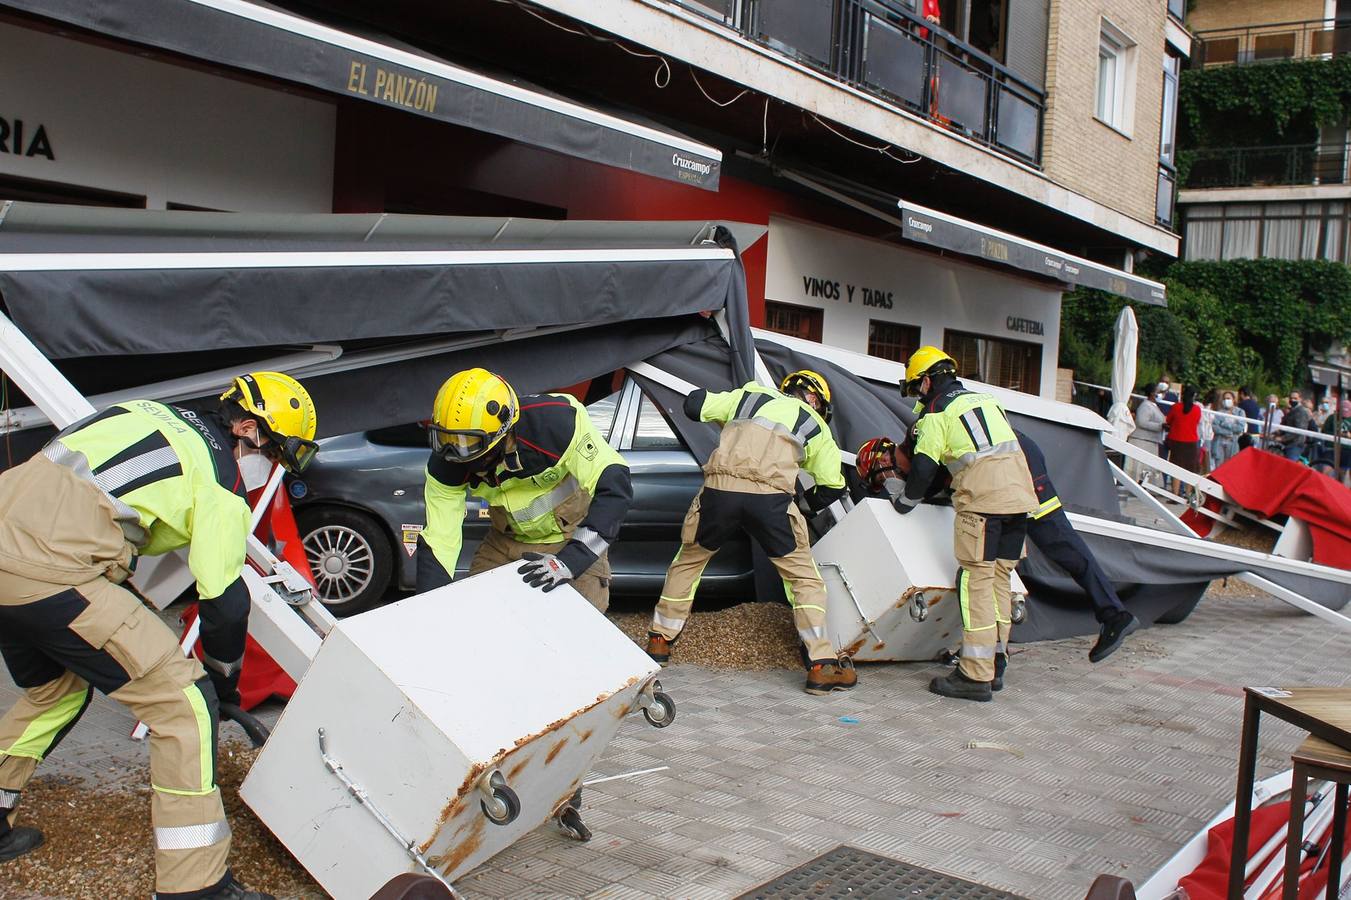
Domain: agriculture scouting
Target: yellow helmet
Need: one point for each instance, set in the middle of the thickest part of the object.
(926, 361)
(807, 380)
(473, 411)
(285, 414)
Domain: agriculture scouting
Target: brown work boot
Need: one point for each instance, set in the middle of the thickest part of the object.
(822, 678)
(659, 647)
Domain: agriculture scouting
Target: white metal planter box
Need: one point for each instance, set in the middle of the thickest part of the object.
(892, 580)
(421, 703)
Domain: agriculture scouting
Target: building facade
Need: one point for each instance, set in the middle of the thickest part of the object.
(922, 181)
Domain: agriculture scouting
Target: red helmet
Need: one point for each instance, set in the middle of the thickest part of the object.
(880, 458)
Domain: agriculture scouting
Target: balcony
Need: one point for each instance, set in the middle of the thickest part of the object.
(883, 48)
(1310, 39)
(1292, 164)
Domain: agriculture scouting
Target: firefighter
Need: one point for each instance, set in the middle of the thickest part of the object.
(138, 478)
(556, 491)
(750, 482)
(880, 460)
(992, 495)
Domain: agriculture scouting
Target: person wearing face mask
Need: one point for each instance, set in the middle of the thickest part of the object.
(1228, 427)
(556, 491)
(992, 494)
(138, 478)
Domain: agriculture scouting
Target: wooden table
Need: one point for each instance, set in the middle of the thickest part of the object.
(1324, 712)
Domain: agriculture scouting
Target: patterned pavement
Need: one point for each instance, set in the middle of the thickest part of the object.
(1103, 768)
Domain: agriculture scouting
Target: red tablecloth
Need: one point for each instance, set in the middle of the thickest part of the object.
(1271, 485)
(261, 677)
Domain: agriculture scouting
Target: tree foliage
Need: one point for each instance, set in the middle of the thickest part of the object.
(1250, 321)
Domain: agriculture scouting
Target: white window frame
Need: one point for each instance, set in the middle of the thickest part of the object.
(1114, 100)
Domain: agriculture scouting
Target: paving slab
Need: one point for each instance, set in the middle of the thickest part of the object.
(1115, 766)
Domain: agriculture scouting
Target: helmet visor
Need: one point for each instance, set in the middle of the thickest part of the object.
(293, 453)
(458, 446)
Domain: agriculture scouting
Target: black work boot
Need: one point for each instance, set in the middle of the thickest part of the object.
(959, 687)
(1001, 663)
(1113, 632)
(18, 841)
(659, 647)
(233, 890)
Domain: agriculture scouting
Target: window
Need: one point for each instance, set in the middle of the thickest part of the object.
(1003, 363)
(1286, 230)
(1116, 74)
(892, 340)
(602, 413)
(1163, 198)
(794, 321)
(653, 431)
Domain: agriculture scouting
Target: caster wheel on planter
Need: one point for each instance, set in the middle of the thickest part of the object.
(504, 808)
(571, 821)
(662, 711)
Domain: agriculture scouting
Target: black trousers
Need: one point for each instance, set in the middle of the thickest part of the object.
(1056, 538)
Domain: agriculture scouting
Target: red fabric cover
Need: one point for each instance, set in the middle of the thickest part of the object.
(261, 677)
(1271, 485)
(1210, 880)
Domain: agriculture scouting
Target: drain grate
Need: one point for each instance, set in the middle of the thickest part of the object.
(846, 873)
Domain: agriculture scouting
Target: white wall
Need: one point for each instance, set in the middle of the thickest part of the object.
(119, 122)
(930, 291)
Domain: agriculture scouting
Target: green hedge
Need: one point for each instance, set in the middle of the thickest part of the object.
(1250, 321)
(1272, 103)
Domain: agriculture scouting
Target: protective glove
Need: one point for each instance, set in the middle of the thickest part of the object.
(544, 570)
(227, 686)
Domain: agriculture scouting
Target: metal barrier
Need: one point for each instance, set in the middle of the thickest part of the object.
(885, 49)
(1307, 39)
(1314, 163)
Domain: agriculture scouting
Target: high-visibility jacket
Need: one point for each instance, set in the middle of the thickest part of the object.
(969, 434)
(561, 482)
(172, 478)
(767, 438)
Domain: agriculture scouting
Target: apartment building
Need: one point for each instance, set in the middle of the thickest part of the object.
(924, 180)
(1259, 191)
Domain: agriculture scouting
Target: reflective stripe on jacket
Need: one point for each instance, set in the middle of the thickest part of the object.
(563, 482)
(172, 478)
(969, 433)
(766, 439)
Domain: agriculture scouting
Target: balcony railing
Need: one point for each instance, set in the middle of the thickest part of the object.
(1294, 164)
(885, 49)
(1309, 39)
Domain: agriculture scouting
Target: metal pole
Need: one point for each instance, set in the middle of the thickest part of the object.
(1337, 429)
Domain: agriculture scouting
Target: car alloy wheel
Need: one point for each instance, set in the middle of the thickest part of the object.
(341, 560)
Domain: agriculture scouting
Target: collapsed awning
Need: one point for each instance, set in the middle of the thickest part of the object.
(262, 39)
(945, 232)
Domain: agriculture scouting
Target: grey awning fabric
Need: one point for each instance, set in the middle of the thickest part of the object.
(941, 231)
(129, 287)
(259, 38)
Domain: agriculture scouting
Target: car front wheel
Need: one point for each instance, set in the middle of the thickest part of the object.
(350, 557)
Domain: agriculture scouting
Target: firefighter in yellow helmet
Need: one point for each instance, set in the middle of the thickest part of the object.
(556, 491)
(138, 478)
(992, 495)
(750, 481)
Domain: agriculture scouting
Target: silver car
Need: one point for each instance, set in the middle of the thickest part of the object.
(360, 509)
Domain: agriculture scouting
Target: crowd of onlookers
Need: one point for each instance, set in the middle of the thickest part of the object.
(1201, 434)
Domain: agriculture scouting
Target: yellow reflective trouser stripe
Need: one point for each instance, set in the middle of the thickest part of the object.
(37, 738)
(178, 793)
(1047, 508)
(199, 711)
(964, 597)
(694, 588)
(792, 598)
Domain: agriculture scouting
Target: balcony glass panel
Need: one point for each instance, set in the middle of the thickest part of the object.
(1018, 124)
(961, 96)
(798, 27)
(893, 62)
(722, 10)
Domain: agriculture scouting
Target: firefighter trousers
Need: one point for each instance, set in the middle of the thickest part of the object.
(987, 549)
(60, 641)
(498, 549)
(775, 523)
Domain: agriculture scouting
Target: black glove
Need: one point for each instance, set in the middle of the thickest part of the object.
(544, 570)
(903, 504)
